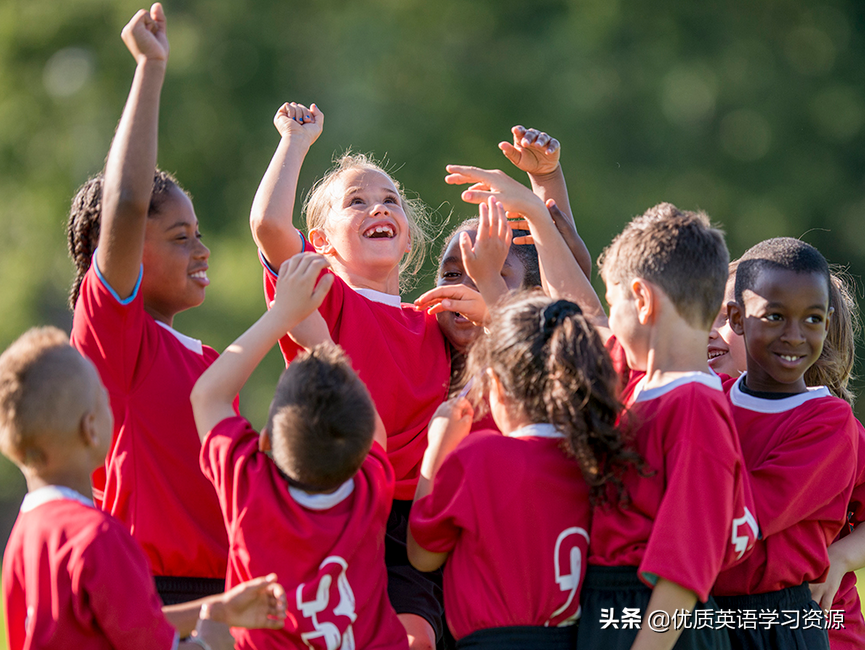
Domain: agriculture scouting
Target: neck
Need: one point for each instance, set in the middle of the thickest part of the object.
(79, 483)
(385, 281)
(168, 319)
(675, 348)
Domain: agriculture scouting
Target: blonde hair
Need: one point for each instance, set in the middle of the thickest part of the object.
(44, 393)
(318, 204)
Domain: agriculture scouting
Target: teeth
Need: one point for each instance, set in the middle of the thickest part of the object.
(715, 355)
(387, 230)
(789, 357)
(202, 275)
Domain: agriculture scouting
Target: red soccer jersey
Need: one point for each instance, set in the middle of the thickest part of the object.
(327, 549)
(675, 527)
(801, 454)
(513, 512)
(74, 578)
(400, 355)
(152, 481)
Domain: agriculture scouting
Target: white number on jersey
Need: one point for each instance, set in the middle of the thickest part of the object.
(316, 598)
(568, 558)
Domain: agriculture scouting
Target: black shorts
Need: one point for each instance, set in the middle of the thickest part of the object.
(785, 615)
(522, 637)
(615, 589)
(174, 590)
(410, 591)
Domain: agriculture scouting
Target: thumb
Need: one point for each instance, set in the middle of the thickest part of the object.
(466, 247)
(321, 289)
(317, 114)
(158, 13)
(511, 152)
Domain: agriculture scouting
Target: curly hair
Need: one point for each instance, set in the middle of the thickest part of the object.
(553, 368)
(82, 226)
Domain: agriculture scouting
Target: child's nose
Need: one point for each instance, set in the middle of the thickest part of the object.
(793, 332)
(202, 251)
(380, 208)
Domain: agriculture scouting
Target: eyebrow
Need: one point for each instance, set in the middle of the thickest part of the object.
(181, 224)
(780, 305)
(451, 259)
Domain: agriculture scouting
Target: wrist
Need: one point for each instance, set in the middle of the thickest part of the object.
(151, 64)
(540, 177)
(215, 611)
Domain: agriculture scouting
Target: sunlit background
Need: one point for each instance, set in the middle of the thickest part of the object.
(754, 114)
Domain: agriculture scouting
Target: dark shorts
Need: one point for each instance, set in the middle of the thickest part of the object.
(521, 637)
(795, 611)
(615, 589)
(174, 590)
(410, 591)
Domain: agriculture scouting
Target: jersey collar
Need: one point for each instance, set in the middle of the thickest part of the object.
(537, 431)
(643, 394)
(740, 398)
(380, 296)
(322, 501)
(187, 341)
(43, 495)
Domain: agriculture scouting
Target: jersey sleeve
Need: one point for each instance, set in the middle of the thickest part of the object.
(120, 593)
(807, 472)
(690, 534)
(857, 498)
(224, 451)
(438, 519)
(378, 468)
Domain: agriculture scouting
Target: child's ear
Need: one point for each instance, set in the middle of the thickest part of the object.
(318, 239)
(644, 299)
(88, 430)
(736, 317)
(264, 440)
(829, 318)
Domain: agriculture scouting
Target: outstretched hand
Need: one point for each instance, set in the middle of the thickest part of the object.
(297, 121)
(299, 291)
(456, 298)
(145, 35)
(257, 603)
(533, 151)
(484, 259)
(515, 197)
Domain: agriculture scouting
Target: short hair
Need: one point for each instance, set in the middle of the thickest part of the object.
(44, 393)
(527, 254)
(318, 204)
(680, 252)
(782, 253)
(321, 420)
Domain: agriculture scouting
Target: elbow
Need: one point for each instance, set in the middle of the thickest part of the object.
(422, 559)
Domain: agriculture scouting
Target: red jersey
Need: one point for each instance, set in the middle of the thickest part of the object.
(801, 454)
(628, 377)
(327, 549)
(152, 481)
(74, 578)
(852, 635)
(513, 512)
(400, 355)
(674, 527)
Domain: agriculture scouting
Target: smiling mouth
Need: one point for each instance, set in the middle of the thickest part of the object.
(200, 275)
(379, 232)
(716, 353)
(790, 358)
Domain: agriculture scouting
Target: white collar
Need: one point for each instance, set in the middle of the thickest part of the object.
(380, 296)
(320, 501)
(187, 341)
(740, 398)
(537, 431)
(644, 394)
(43, 495)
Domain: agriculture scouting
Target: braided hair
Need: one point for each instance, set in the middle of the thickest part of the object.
(82, 227)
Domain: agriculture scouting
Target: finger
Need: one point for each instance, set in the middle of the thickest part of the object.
(483, 222)
(517, 223)
(474, 174)
(158, 13)
(519, 130)
(317, 115)
(466, 248)
(523, 240)
(553, 146)
(477, 196)
(542, 140)
(322, 288)
(511, 152)
(529, 137)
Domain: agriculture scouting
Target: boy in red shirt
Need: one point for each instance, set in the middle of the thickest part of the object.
(316, 511)
(73, 577)
(800, 444)
(665, 276)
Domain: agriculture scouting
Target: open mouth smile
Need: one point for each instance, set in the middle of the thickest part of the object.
(380, 231)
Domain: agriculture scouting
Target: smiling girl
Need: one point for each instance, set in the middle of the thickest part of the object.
(150, 264)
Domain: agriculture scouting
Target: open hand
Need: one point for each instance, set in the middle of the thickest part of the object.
(533, 151)
(299, 291)
(515, 197)
(145, 35)
(456, 298)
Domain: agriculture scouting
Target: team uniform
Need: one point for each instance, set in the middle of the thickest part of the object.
(327, 549)
(852, 635)
(151, 481)
(673, 526)
(801, 454)
(74, 578)
(513, 513)
(400, 355)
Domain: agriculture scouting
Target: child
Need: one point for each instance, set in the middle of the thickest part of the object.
(662, 551)
(360, 220)
(150, 265)
(800, 444)
(315, 512)
(510, 514)
(72, 575)
(726, 350)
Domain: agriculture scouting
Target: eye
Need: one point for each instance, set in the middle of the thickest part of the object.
(451, 275)
(775, 318)
(814, 319)
(356, 201)
(391, 199)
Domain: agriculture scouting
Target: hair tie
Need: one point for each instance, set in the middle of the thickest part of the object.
(555, 313)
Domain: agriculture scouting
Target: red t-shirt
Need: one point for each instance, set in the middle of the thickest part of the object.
(400, 355)
(801, 454)
(327, 550)
(513, 512)
(152, 482)
(852, 635)
(74, 578)
(694, 514)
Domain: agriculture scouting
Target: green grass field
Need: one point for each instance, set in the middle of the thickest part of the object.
(860, 582)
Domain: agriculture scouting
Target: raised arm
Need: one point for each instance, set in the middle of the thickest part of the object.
(271, 216)
(298, 293)
(132, 158)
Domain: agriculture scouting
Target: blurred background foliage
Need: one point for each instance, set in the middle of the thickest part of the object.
(751, 111)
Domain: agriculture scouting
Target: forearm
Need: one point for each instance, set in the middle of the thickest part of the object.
(848, 553)
(668, 597)
(271, 214)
